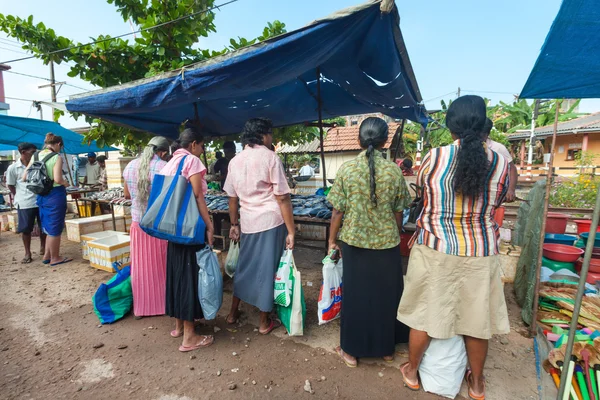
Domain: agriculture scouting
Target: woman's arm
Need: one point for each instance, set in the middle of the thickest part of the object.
(126, 191)
(57, 171)
(234, 218)
(334, 228)
(196, 181)
(285, 205)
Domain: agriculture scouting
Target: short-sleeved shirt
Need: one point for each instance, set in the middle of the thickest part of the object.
(93, 172)
(367, 225)
(14, 177)
(256, 176)
(499, 148)
(222, 167)
(51, 163)
(192, 166)
(451, 223)
(131, 176)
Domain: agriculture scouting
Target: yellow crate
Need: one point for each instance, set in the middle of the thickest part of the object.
(104, 252)
(95, 236)
(85, 210)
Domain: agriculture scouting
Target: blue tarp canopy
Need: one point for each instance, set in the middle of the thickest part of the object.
(364, 68)
(15, 130)
(569, 64)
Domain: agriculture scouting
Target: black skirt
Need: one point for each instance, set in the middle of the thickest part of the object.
(373, 287)
(182, 282)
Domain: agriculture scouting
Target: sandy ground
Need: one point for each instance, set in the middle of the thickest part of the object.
(53, 347)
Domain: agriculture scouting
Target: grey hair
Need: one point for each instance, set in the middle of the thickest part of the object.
(158, 143)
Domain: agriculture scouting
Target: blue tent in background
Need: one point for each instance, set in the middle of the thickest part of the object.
(15, 130)
(569, 64)
(358, 54)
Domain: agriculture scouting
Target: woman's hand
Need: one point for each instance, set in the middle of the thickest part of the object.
(289, 241)
(333, 247)
(210, 235)
(234, 233)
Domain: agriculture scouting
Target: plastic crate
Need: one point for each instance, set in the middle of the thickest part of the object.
(95, 236)
(104, 252)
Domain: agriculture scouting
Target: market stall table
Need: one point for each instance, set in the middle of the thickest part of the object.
(85, 200)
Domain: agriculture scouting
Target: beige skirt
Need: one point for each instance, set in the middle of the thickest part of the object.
(446, 295)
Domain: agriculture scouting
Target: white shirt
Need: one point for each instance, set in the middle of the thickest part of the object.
(93, 173)
(14, 177)
(306, 171)
(499, 148)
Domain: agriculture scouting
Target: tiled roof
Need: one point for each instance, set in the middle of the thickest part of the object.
(312, 147)
(586, 124)
(345, 138)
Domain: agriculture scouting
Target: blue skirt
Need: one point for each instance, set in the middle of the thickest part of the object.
(53, 209)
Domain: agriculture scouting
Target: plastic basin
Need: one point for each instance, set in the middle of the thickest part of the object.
(594, 265)
(557, 265)
(584, 225)
(561, 252)
(556, 222)
(557, 238)
(592, 277)
(586, 235)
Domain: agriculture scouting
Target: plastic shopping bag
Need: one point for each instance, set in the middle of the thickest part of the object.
(283, 283)
(293, 315)
(232, 259)
(443, 367)
(114, 299)
(330, 296)
(210, 282)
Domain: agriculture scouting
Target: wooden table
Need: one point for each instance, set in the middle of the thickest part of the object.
(85, 200)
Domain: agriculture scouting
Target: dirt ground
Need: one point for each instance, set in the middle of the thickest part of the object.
(53, 347)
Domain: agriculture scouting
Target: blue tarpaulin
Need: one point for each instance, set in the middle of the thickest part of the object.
(569, 63)
(364, 68)
(15, 130)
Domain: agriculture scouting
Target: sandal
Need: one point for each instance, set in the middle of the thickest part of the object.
(45, 261)
(412, 386)
(473, 396)
(342, 354)
(63, 261)
(206, 341)
(273, 325)
(26, 260)
(175, 333)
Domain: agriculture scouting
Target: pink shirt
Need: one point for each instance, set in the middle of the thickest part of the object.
(256, 176)
(499, 148)
(191, 167)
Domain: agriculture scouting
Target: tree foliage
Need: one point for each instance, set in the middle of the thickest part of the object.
(112, 61)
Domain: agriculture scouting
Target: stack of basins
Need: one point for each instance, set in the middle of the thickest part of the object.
(563, 251)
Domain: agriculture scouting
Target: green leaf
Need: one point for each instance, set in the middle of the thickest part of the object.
(160, 51)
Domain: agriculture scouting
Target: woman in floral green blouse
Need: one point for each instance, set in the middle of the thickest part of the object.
(369, 195)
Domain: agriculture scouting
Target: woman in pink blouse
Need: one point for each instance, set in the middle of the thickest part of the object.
(182, 268)
(256, 181)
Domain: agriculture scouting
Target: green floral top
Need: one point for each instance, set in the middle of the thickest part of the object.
(365, 225)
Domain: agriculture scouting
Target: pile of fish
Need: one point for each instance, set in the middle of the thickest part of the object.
(304, 206)
(110, 194)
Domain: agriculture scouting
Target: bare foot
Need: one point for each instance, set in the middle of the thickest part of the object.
(232, 318)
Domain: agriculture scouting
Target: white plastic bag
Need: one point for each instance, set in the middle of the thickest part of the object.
(330, 296)
(297, 317)
(210, 283)
(443, 367)
(232, 259)
(283, 284)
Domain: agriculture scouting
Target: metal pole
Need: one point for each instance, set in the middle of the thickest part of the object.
(399, 138)
(320, 105)
(579, 297)
(538, 269)
(532, 136)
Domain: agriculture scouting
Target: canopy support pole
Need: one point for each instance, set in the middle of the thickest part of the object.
(589, 248)
(399, 135)
(197, 123)
(320, 105)
(538, 268)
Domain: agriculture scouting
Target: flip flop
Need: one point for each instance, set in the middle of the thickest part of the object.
(45, 261)
(341, 353)
(207, 341)
(273, 325)
(64, 261)
(411, 386)
(26, 260)
(471, 395)
(176, 334)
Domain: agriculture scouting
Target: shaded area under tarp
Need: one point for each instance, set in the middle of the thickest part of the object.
(15, 130)
(568, 64)
(359, 52)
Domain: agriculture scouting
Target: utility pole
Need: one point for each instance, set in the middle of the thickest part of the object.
(52, 86)
(458, 92)
(536, 109)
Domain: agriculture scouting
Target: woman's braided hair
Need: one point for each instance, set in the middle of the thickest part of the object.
(373, 133)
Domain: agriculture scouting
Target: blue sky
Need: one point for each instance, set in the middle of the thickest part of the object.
(484, 47)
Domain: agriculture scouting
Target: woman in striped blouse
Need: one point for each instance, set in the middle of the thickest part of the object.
(453, 285)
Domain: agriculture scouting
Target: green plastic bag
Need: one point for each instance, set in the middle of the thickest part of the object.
(293, 315)
(114, 299)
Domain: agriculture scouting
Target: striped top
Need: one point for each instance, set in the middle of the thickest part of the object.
(451, 223)
(131, 176)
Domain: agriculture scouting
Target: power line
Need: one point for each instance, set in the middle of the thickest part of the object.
(10, 43)
(46, 79)
(14, 51)
(125, 34)
(439, 97)
(487, 91)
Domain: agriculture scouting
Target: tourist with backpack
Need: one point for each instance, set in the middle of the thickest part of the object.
(45, 177)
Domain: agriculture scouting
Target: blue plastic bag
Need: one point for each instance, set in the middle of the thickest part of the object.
(114, 299)
(210, 283)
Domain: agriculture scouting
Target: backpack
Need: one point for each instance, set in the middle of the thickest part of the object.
(37, 180)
